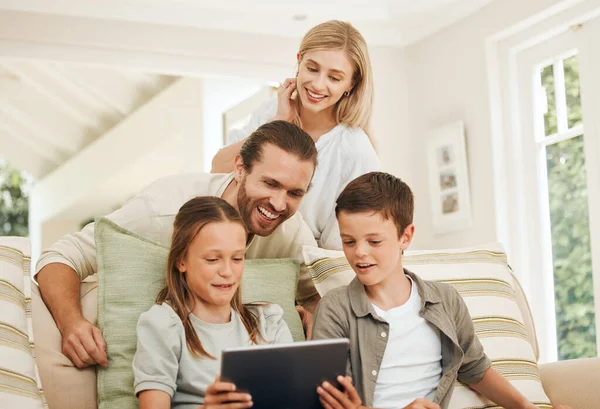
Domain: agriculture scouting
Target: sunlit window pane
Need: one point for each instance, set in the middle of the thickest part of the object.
(571, 251)
(572, 91)
(550, 124)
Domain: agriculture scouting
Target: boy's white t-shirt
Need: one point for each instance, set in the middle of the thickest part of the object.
(412, 363)
(344, 154)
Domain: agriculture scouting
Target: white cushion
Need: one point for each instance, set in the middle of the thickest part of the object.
(19, 381)
(482, 277)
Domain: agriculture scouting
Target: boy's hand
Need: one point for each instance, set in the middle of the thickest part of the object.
(222, 395)
(422, 404)
(332, 398)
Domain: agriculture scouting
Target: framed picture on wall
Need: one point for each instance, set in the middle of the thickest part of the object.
(448, 178)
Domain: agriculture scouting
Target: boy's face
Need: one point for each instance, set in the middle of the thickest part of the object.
(372, 246)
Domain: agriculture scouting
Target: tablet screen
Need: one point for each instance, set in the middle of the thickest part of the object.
(285, 376)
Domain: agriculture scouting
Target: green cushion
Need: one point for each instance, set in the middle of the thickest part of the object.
(130, 275)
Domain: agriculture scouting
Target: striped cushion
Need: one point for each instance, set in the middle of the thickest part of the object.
(483, 278)
(19, 380)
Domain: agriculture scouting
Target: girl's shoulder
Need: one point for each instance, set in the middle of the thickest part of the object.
(161, 316)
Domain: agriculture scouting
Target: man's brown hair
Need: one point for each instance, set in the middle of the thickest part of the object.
(379, 192)
(282, 134)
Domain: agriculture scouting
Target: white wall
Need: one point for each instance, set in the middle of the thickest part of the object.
(52, 230)
(154, 141)
(446, 82)
(390, 129)
(220, 94)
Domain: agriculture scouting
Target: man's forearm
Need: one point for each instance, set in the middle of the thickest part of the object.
(59, 287)
(223, 160)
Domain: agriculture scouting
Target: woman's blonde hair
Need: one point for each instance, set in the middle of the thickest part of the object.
(193, 216)
(354, 109)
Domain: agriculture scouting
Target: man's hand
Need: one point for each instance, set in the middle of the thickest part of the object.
(307, 321)
(332, 398)
(422, 404)
(83, 344)
(222, 395)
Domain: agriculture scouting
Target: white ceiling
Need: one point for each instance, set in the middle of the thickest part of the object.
(50, 110)
(381, 21)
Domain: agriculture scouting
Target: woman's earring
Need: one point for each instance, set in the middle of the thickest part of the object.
(346, 93)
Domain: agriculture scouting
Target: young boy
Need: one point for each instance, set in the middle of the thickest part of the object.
(410, 339)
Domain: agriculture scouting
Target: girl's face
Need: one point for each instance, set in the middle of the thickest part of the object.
(214, 263)
(323, 77)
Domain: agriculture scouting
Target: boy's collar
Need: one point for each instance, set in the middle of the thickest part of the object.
(362, 306)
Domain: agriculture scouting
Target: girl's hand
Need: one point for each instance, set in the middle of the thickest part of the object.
(332, 398)
(285, 107)
(222, 395)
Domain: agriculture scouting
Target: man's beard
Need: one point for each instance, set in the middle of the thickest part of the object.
(246, 208)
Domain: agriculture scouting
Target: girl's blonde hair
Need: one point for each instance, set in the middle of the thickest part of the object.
(354, 109)
(193, 216)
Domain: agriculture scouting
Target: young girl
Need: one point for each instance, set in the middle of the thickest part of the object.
(331, 98)
(199, 313)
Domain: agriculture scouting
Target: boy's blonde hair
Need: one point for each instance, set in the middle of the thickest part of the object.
(354, 109)
(379, 192)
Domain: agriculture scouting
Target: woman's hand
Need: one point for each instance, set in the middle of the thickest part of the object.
(222, 395)
(285, 105)
(332, 398)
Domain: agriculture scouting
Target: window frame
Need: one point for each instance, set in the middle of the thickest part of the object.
(523, 219)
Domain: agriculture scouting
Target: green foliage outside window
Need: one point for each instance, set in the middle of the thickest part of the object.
(14, 201)
(571, 250)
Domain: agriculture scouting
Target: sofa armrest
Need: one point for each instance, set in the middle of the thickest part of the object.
(573, 383)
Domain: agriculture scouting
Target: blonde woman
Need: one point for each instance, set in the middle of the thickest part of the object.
(331, 98)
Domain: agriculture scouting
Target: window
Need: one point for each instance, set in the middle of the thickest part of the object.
(555, 152)
(561, 138)
(15, 187)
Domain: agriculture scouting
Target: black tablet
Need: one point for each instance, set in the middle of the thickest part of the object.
(285, 376)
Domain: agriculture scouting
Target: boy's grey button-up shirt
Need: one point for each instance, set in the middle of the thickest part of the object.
(347, 312)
